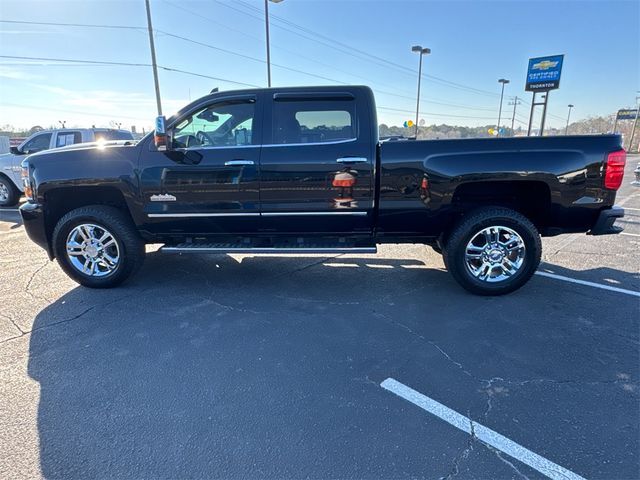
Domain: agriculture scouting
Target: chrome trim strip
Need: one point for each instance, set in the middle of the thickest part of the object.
(348, 140)
(219, 147)
(272, 250)
(351, 160)
(297, 214)
(189, 215)
(232, 163)
(336, 142)
(253, 214)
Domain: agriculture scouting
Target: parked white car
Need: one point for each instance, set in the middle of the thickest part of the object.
(10, 181)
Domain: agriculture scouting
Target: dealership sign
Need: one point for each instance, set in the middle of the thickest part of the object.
(626, 114)
(543, 73)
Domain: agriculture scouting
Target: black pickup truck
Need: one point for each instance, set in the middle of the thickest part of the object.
(301, 170)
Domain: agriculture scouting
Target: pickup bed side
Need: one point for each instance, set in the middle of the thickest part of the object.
(557, 182)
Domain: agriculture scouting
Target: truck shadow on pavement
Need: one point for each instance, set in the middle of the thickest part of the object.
(206, 367)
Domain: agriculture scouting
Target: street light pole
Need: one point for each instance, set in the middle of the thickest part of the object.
(566, 129)
(420, 51)
(154, 65)
(503, 81)
(266, 28)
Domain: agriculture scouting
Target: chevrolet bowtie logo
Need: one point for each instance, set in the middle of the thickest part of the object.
(544, 65)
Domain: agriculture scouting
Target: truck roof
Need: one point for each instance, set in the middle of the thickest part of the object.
(244, 91)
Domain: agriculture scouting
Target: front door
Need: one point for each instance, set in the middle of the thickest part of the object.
(317, 166)
(207, 182)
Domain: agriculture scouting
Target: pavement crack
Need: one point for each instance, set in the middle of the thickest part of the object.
(27, 287)
(430, 342)
(22, 332)
(511, 464)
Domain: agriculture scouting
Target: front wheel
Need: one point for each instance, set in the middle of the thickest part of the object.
(493, 251)
(9, 194)
(98, 246)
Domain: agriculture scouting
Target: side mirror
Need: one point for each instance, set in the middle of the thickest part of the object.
(160, 135)
(16, 151)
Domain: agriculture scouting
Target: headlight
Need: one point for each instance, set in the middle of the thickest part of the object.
(26, 180)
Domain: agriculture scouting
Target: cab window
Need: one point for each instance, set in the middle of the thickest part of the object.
(226, 124)
(68, 138)
(319, 121)
(38, 143)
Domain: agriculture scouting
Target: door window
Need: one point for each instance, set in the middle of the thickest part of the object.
(226, 124)
(316, 121)
(68, 138)
(37, 143)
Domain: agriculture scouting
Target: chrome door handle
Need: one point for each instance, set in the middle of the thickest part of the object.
(235, 163)
(351, 160)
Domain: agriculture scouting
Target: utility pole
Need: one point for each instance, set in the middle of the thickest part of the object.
(154, 65)
(503, 81)
(566, 129)
(266, 28)
(420, 51)
(515, 103)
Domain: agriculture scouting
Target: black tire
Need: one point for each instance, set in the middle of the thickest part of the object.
(130, 246)
(12, 193)
(456, 248)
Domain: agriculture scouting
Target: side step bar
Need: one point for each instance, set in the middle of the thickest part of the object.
(272, 250)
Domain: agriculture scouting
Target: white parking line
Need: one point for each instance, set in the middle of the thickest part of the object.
(482, 433)
(589, 284)
(630, 234)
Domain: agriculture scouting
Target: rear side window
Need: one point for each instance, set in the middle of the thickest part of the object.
(313, 121)
(106, 135)
(68, 138)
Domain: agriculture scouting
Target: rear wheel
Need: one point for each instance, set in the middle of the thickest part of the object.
(9, 194)
(98, 246)
(493, 251)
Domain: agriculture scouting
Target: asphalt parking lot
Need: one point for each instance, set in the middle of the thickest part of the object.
(271, 367)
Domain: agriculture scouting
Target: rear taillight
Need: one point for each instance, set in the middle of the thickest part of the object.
(614, 169)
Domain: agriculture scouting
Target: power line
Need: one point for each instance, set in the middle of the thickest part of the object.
(128, 64)
(322, 77)
(39, 107)
(57, 24)
(256, 59)
(361, 52)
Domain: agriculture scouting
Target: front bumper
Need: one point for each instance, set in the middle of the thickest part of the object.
(34, 223)
(605, 223)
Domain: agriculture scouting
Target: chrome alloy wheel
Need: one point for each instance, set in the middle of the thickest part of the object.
(93, 250)
(494, 254)
(4, 192)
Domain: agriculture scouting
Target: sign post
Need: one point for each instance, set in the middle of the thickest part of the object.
(543, 75)
(627, 114)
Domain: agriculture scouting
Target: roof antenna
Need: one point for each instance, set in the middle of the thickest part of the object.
(215, 90)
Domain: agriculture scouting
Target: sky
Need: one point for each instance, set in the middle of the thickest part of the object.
(315, 42)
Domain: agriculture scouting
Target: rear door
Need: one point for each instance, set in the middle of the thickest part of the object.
(317, 163)
(208, 182)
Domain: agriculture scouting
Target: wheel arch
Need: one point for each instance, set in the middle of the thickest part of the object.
(60, 201)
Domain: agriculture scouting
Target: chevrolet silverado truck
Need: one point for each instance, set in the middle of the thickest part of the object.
(301, 170)
(10, 181)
